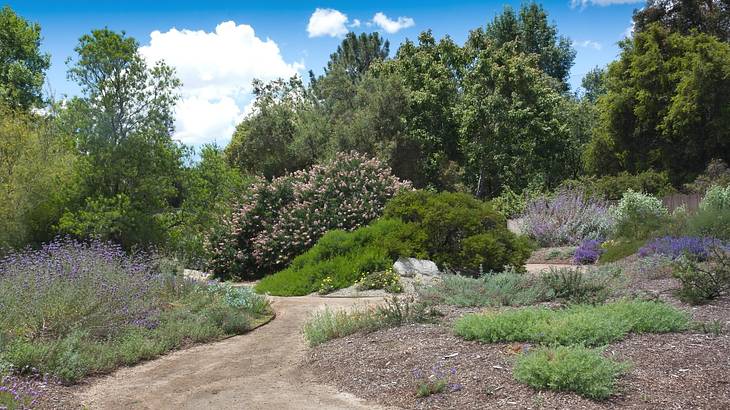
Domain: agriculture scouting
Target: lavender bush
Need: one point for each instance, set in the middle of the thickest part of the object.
(588, 252)
(567, 218)
(673, 248)
(281, 219)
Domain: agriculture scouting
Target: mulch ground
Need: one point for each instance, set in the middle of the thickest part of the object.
(688, 370)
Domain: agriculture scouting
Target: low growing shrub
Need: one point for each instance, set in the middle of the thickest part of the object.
(578, 286)
(615, 250)
(579, 324)
(498, 289)
(330, 324)
(638, 215)
(588, 252)
(567, 218)
(673, 248)
(280, 219)
(703, 281)
(387, 280)
(575, 368)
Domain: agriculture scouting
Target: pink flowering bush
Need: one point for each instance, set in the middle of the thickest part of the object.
(281, 219)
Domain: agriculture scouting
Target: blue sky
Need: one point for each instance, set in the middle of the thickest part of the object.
(271, 39)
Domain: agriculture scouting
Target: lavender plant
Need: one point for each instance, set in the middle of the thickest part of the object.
(19, 393)
(567, 218)
(434, 382)
(281, 219)
(674, 248)
(588, 252)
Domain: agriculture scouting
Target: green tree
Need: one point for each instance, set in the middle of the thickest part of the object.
(667, 106)
(356, 54)
(532, 33)
(686, 16)
(594, 84)
(514, 123)
(22, 65)
(122, 125)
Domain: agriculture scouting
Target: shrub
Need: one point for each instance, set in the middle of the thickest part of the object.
(638, 215)
(281, 219)
(511, 204)
(328, 324)
(341, 258)
(499, 289)
(716, 173)
(567, 218)
(460, 232)
(17, 393)
(714, 223)
(578, 369)
(71, 309)
(576, 286)
(579, 324)
(716, 198)
(588, 252)
(673, 248)
(704, 281)
(387, 279)
(434, 382)
(615, 250)
(613, 186)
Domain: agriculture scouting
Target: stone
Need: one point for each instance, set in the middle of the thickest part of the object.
(410, 267)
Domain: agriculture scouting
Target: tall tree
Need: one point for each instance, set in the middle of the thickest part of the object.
(532, 33)
(22, 65)
(594, 84)
(356, 53)
(667, 106)
(123, 126)
(686, 16)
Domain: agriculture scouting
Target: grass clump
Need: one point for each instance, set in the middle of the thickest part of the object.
(575, 368)
(500, 289)
(73, 309)
(332, 324)
(577, 286)
(578, 324)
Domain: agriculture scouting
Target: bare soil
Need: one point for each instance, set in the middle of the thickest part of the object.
(258, 370)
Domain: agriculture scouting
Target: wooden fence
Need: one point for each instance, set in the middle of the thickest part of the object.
(690, 201)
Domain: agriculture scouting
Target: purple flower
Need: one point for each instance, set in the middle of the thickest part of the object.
(673, 248)
(588, 252)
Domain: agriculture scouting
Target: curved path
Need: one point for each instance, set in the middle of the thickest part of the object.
(258, 370)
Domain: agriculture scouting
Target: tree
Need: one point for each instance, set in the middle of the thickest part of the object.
(22, 65)
(123, 126)
(531, 33)
(667, 106)
(594, 84)
(514, 124)
(686, 16)
(356, 54)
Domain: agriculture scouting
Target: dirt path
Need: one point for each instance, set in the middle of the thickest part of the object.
(259, 370)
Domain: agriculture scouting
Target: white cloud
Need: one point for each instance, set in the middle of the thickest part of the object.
(327, 22)
(355, 23)
(603, 3)
(590, 44)
(392, 26)
(216, 69)
(629, 32)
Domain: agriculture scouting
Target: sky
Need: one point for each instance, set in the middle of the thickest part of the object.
(219, 47)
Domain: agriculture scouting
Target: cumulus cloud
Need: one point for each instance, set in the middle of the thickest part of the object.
(603, 3)
(392, 26)
(355, 23)
(589, 44)
(327, 22)
(216, 69)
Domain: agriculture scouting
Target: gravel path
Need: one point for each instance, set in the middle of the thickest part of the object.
(258, 370)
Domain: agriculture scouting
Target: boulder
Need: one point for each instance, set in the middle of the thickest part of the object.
(411, 267)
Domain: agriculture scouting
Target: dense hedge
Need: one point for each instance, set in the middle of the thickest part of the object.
(613, 186)
(281, 219)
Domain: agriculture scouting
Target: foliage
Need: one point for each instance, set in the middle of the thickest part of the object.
(73, 309)
(716, 198)
(575, 368)
(667, 106)
(638, 215)
(714, 223)
(387, 280)
(330, 324)
(685, 246)
(278, 220)
(17, 393)
(356, 54)
(436, 382)
(123, 125)
(31, 202)
(498, 289)
(566, 218)
(578, 324)
(340, 258)
(579, 286)
(704, 281)
(511, 204)
(22, 64)
(686, 17)
(613, 186)
(594, 84)
(588, 252)
(459, 231)
(717, 173)
(615, 250)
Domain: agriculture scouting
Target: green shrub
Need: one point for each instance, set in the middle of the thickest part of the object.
(716, 173)
(638, 215)
(330, 324)
(499, 289)
(280, 219)
(578, 369)
(717, 197)
(713, 217)
(387, 279)
(578, 286)
(615, 250)
(343, 257)
(459, 231)
(579, 324)
(703, 281)
(613, 186)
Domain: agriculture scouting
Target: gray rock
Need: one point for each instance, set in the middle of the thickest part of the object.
(410, 267)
